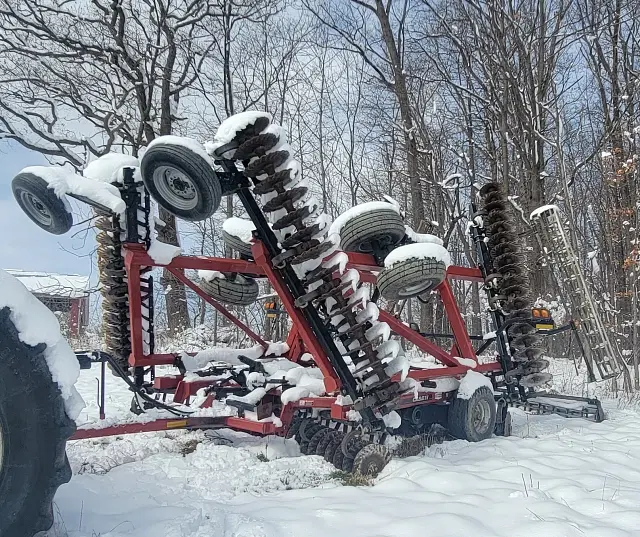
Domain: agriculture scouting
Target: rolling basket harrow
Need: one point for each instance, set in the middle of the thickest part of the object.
(340, 384)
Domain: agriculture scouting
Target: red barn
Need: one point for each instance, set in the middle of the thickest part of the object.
(67, 295)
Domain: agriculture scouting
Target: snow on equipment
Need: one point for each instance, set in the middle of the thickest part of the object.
(340, 384)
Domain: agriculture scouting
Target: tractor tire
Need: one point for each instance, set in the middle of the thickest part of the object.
(411, 278)
(473, 419)
(333, 446)
(360, 234)
(371, 460)
(309, 433)
(324, 442)
(181, 181)
(315, 441)
(237, 244)
(239, 291)
(41, 204)
(34, 429)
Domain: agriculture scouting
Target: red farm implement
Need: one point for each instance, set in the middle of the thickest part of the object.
(340, 385)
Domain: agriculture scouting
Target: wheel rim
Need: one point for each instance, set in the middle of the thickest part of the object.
(36, 209)
(481, 416)
(176, 187)
(415, 289)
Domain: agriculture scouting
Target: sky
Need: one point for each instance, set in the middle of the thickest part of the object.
(23, 245)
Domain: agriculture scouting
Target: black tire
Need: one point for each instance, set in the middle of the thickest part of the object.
(309, 432)
(354, 448)
(473, 419)
(181, 181)
(411, 278)
(324, 442)
(41, 204)
(333, 446)
(239, 291)
(361, 232)
(237, 244)
(371, 460)
(34, 431)
(294, 427)
(316, 439)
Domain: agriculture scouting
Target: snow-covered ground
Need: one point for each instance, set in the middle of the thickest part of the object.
(554, 478)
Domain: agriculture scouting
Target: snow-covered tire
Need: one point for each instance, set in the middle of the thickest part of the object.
(473, 419)
(411, 278)
(181, 181)
(371, 460)
(41, 204)
(361, 233)
(237, 244)
(239, 291)
(34, 429)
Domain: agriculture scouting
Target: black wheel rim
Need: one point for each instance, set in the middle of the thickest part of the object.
(176, 187)
(35, 208)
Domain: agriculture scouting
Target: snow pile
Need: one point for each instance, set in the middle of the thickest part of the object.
(36, 324)
(538, 212)
(63, 181)
(188, 143)
(422, 237)
(418, 251)
(392, 420)
(107, 168)
(210, 275)
(240, 228)
(236, 123)
(220, 354)
(471, 382)
(363, 208)
(308, 381)
(230, 356)
(67, 285)
(555, 477)
(163, 253)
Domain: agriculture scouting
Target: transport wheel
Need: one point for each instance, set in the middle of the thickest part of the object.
(380, 229)
(473, 419)
(371, 459)
(34, 429)
(411, 278)
(238, 291)
(181, 180)
(316, 439)
(237, 244)
(41, 204)
(333, 446)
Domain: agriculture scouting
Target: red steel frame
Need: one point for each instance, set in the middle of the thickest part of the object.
(301, 339)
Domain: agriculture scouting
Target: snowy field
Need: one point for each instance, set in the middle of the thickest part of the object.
(554, 478)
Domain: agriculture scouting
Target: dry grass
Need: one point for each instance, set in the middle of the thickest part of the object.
(352, 480)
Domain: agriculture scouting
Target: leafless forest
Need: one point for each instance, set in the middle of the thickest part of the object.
(422, 100)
